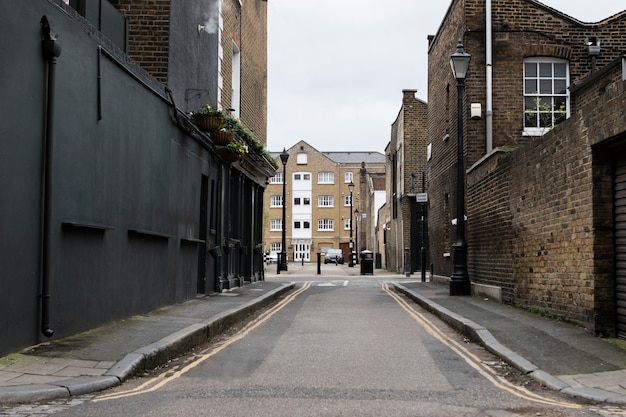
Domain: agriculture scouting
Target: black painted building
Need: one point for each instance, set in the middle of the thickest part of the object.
(112, 202)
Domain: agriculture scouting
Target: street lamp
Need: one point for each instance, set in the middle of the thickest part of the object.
(350, 260)
(459, 280)
(282, 261)
(356, 235)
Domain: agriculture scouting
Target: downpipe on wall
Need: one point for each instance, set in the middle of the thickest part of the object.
(51, 51)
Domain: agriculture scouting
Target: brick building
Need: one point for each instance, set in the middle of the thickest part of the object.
(406, 178)
(543, 161)
(318, 202)
(206, 51)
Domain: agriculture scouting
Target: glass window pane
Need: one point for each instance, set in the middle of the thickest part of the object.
(530, 69)
(559, 105)
(530, 104)
(560, 70)
(545, 103)
(545, 86)
(560, 87)
(530, 119)
(530, 86)
(545, 69)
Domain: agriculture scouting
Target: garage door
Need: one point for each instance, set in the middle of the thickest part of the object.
(620, 245)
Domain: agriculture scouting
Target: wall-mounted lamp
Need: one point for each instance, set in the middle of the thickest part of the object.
(593, 48)
(200, 28)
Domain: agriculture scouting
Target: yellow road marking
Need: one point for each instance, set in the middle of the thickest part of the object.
(472, 359)
(155, 383)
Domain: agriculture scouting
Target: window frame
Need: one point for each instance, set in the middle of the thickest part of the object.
(326, 177)
(321, 199)
(276, 225)
(276, 201)
(536, 98)
(278, 178)
(325, 225)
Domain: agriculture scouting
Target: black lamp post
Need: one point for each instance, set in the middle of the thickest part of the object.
(282, 261)
(356, 236)
(350, 260)
(459, 280)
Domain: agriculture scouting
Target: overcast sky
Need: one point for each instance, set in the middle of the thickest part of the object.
(337, 68)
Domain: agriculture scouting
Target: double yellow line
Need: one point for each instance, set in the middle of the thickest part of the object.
(473, 360)
(155, 383)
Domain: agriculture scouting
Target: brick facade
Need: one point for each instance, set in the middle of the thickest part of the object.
(406, 163)
(161, 34)
(539, 208)
(360, 164)
(148, 34)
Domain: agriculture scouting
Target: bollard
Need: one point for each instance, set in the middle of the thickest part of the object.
(407, 263)
(319, 264)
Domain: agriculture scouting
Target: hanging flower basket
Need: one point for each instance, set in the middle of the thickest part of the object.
(222, 137)
(228, 155)
(232, 152)
(207, 123)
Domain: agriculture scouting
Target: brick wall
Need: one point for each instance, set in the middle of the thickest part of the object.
(316, 162)
(148, 34)
(254, 67)
(537, 216)
(409, 134)
(541, 217)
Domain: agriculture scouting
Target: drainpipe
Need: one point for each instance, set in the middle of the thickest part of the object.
(489, 77)
(51, 51)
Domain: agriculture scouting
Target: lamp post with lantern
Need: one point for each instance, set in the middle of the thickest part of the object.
(350, 258)
(459, 280)
(282, 261)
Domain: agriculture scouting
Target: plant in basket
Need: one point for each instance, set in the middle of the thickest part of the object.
(232, 152)
(207, 118)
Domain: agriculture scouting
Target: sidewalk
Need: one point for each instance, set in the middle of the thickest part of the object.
(106, 356)
(559, 355)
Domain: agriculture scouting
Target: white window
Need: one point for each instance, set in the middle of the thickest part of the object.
(306, 225)
(306, 201)
(325, 201)
(302, 176)
(296, 225)
(325, 177)
(296, 201)
(236, 81)
(347, 200)
(276, 201)
(276, 246)
(301, 158)
(325, 224)
(348, 177)
(276, 224)
(277, 178)
(546, 94)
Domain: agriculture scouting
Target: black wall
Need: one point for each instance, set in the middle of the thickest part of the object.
(126, 181)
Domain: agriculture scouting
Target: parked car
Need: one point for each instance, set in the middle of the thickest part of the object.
(333, 256)
(272, 257)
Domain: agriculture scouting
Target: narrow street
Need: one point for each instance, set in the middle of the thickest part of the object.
(337, 345)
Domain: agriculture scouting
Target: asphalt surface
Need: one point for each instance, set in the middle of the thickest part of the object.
(559, 355)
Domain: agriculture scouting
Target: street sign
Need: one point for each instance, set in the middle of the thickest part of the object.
(421, 197)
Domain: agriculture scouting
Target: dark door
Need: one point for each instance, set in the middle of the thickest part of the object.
(620, 245)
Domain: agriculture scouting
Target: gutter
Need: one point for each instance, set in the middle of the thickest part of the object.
(489, 78)
(51, 51)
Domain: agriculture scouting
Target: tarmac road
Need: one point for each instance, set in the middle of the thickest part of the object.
(337, 346)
